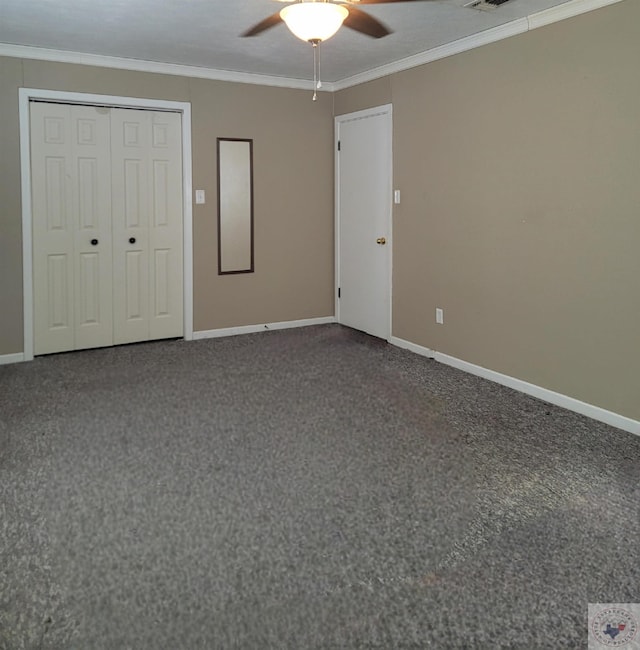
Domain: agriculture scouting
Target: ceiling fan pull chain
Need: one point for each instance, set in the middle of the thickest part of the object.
(315, 69)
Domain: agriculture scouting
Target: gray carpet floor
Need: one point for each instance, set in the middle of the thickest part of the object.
(311, 488)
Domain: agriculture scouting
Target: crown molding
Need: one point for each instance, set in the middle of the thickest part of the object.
(568, 9)
(521, 25)
(140, 65)
(442, 51)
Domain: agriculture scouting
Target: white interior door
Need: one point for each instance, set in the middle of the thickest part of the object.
(107, 226)
(71, 207)
(363, 251)
(147, 225)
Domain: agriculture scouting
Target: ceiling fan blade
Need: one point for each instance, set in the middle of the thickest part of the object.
(365, 24)
(263, 25)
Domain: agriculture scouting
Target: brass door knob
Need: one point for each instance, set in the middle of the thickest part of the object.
(381, 240)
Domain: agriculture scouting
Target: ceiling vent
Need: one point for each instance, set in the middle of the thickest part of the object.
(485, 5)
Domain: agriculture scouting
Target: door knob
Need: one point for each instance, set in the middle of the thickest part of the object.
(94, 242)
(381, 240)
(132, 240)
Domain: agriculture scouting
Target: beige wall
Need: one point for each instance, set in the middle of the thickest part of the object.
(10, 215)
(293, 176)
(293, 194)
(366, 95)
(519, 166)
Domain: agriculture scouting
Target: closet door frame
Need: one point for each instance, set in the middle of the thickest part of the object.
(27, 95)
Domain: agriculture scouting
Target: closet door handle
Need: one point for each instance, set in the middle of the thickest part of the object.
(132, 240)
(94, 242)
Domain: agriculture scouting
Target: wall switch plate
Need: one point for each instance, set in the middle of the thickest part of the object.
(396, 196)
(439, 316)
(199, 196)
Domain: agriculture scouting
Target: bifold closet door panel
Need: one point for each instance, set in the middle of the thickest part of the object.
(93, 239)
(130, 214)
(146, 165)
(166, 302)
(71, 215)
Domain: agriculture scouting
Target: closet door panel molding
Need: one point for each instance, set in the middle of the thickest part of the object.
(71, 213)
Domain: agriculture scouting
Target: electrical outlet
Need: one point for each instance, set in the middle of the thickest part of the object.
(439, 316)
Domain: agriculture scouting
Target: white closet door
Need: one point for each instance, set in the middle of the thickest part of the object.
(146, 158)
(165, 233)
(130, 183)
(71, 207)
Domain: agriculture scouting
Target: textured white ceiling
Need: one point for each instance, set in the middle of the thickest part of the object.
(205, 33)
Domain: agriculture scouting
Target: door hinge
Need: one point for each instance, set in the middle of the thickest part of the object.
(338, 145)
(338, 292)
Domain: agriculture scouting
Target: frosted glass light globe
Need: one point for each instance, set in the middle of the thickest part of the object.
(314, 21)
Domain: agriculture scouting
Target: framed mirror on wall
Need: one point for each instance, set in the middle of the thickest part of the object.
(235, 205)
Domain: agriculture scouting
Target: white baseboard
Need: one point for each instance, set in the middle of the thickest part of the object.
(412, 347)
(262, 327)
(569, 403)
(11, 358)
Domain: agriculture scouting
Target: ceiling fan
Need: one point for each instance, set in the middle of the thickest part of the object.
(315, 21)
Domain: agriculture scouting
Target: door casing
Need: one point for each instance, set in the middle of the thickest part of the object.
(28, 94)
(386, 110)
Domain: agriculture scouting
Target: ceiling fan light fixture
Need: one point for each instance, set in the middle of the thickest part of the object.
(314, 21)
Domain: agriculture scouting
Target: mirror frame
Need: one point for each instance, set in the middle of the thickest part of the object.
(251, 268)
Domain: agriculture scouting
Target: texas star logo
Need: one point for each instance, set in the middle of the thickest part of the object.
(614, 627)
